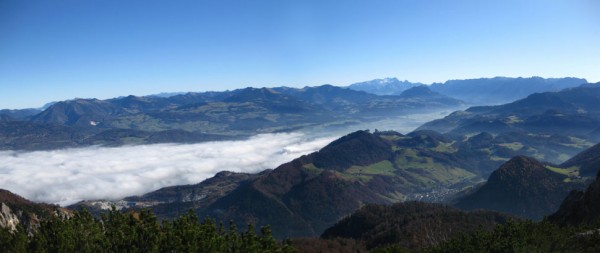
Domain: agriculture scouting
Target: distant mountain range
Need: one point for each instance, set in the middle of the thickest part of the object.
(482, 91)
(572, 111)
(205, 116)
(194, 117)
(385, 86)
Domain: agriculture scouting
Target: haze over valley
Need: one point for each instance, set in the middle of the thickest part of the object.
(66, 176)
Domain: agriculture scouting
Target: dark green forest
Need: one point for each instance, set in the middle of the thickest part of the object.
(527, 236)
(141, 231)
(137, 232)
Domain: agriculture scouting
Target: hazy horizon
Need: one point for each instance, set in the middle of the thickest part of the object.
(217, 90)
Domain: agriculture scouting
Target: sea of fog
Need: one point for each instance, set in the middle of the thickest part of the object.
(67, 176)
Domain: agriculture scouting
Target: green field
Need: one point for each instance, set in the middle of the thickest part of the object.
(380, 168)
(512, 145)
(572, 171)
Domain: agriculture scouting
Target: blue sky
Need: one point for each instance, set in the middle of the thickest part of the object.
(56, 50)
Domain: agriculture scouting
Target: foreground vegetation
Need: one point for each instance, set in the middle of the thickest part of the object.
(524, 236)
(137, 232)
(141, 232)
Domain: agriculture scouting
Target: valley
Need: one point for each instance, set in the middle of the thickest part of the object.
(310, 176)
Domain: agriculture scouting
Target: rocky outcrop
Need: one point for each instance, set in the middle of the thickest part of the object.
(16, 210)
(8, 219)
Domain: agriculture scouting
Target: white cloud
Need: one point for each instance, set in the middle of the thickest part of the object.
(69, 175)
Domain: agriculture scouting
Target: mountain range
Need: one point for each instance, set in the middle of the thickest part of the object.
(571, 113)
(195, 117)
(205, 116)
(481, 91)
(385, 86)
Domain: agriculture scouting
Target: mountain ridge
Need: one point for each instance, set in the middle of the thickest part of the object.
(569, 111)
(479, 91)
(205, 116)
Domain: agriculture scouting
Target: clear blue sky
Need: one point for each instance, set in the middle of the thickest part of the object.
(56, 50)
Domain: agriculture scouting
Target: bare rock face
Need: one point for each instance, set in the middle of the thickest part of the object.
(16, 210)
(8, 219)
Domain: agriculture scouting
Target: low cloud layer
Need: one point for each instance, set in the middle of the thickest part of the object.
(67, 176)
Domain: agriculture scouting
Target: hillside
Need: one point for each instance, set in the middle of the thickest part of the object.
(580, 207)
(411, 225)
(523, 187)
